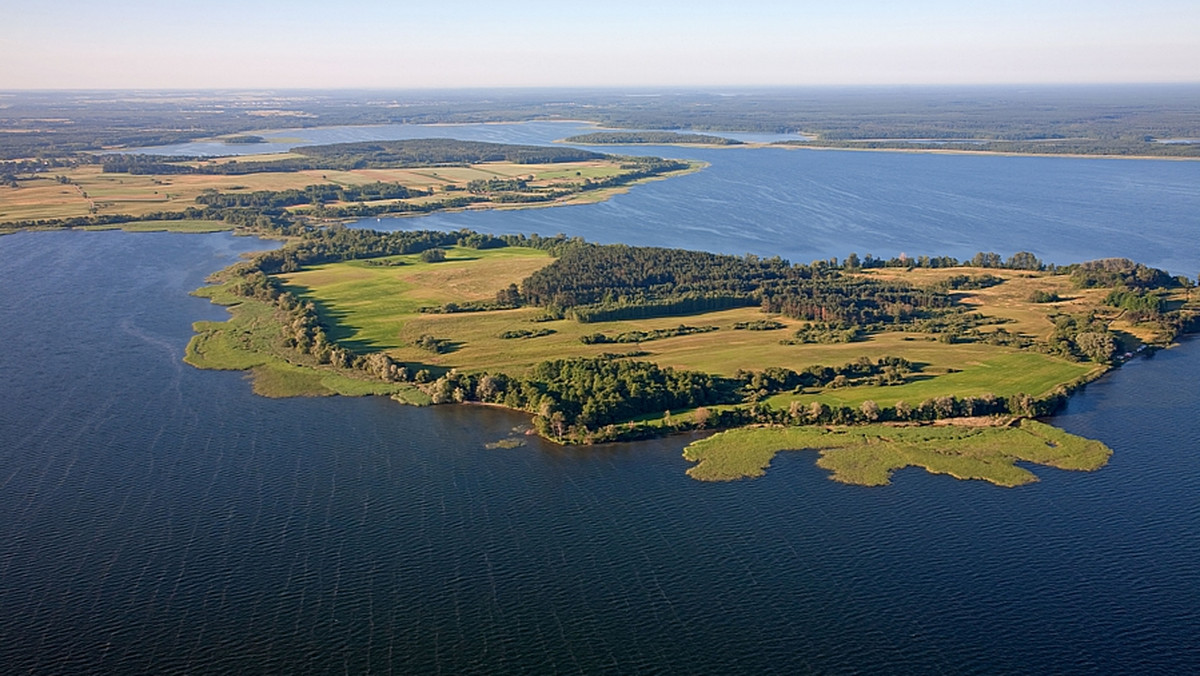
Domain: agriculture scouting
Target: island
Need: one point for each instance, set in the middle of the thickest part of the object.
(878, 364)
(318, 183)
(650, 138)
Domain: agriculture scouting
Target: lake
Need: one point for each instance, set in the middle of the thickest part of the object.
(806, 204)
(162, 519)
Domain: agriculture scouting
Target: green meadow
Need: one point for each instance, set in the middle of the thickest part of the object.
(251, 340)
(377, 307)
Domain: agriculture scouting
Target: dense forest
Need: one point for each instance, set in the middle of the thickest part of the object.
(603, 283)
(312, 194)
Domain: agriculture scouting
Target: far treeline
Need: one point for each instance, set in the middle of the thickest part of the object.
(592, 399)
(649, 137)
(432, 152)
(1087, 119)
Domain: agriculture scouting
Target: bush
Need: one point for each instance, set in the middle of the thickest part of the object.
(434, 255)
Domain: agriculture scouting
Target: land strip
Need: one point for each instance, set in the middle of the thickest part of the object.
(345, 181)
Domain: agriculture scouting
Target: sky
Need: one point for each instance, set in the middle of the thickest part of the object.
(112, 44)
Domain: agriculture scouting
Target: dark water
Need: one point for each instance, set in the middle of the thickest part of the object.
(159, 519)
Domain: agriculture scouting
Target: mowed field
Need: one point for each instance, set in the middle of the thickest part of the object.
(44, 197)
(377, 308)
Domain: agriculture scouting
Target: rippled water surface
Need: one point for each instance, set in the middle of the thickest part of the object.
(160, 519)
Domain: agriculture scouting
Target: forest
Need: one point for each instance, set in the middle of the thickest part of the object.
(602, 283)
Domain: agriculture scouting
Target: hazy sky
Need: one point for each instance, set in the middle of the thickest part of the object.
(457, 43)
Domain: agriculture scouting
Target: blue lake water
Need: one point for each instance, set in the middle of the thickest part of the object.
(160, 519)
(809, 204)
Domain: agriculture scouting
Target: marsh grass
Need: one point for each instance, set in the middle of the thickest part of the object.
(868, 455)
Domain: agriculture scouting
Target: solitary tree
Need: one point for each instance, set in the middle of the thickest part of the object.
(869, 410)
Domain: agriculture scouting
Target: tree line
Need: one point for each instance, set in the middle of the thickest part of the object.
(606, 282)
(429, 152)
(313, 194)
(655, 137)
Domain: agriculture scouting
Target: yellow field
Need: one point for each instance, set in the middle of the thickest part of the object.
(118, 193)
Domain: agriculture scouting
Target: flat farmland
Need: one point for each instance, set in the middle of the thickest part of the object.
(91, 191)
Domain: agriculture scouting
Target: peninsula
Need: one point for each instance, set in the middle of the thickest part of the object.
(322, 183)
(650, 138)
(857, 358)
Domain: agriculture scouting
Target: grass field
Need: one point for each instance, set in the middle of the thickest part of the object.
(44, 197)
(977, 370)
(1009, 301)
(377, 308)
(868, 455)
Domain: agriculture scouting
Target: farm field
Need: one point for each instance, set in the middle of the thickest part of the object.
(87, 190)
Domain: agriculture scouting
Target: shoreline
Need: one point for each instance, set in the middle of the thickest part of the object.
(812, 145)
(756, 145)
(817, 145)
(576, 199)
(995, 153)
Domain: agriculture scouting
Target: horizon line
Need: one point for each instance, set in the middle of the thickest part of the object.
(610, 87)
